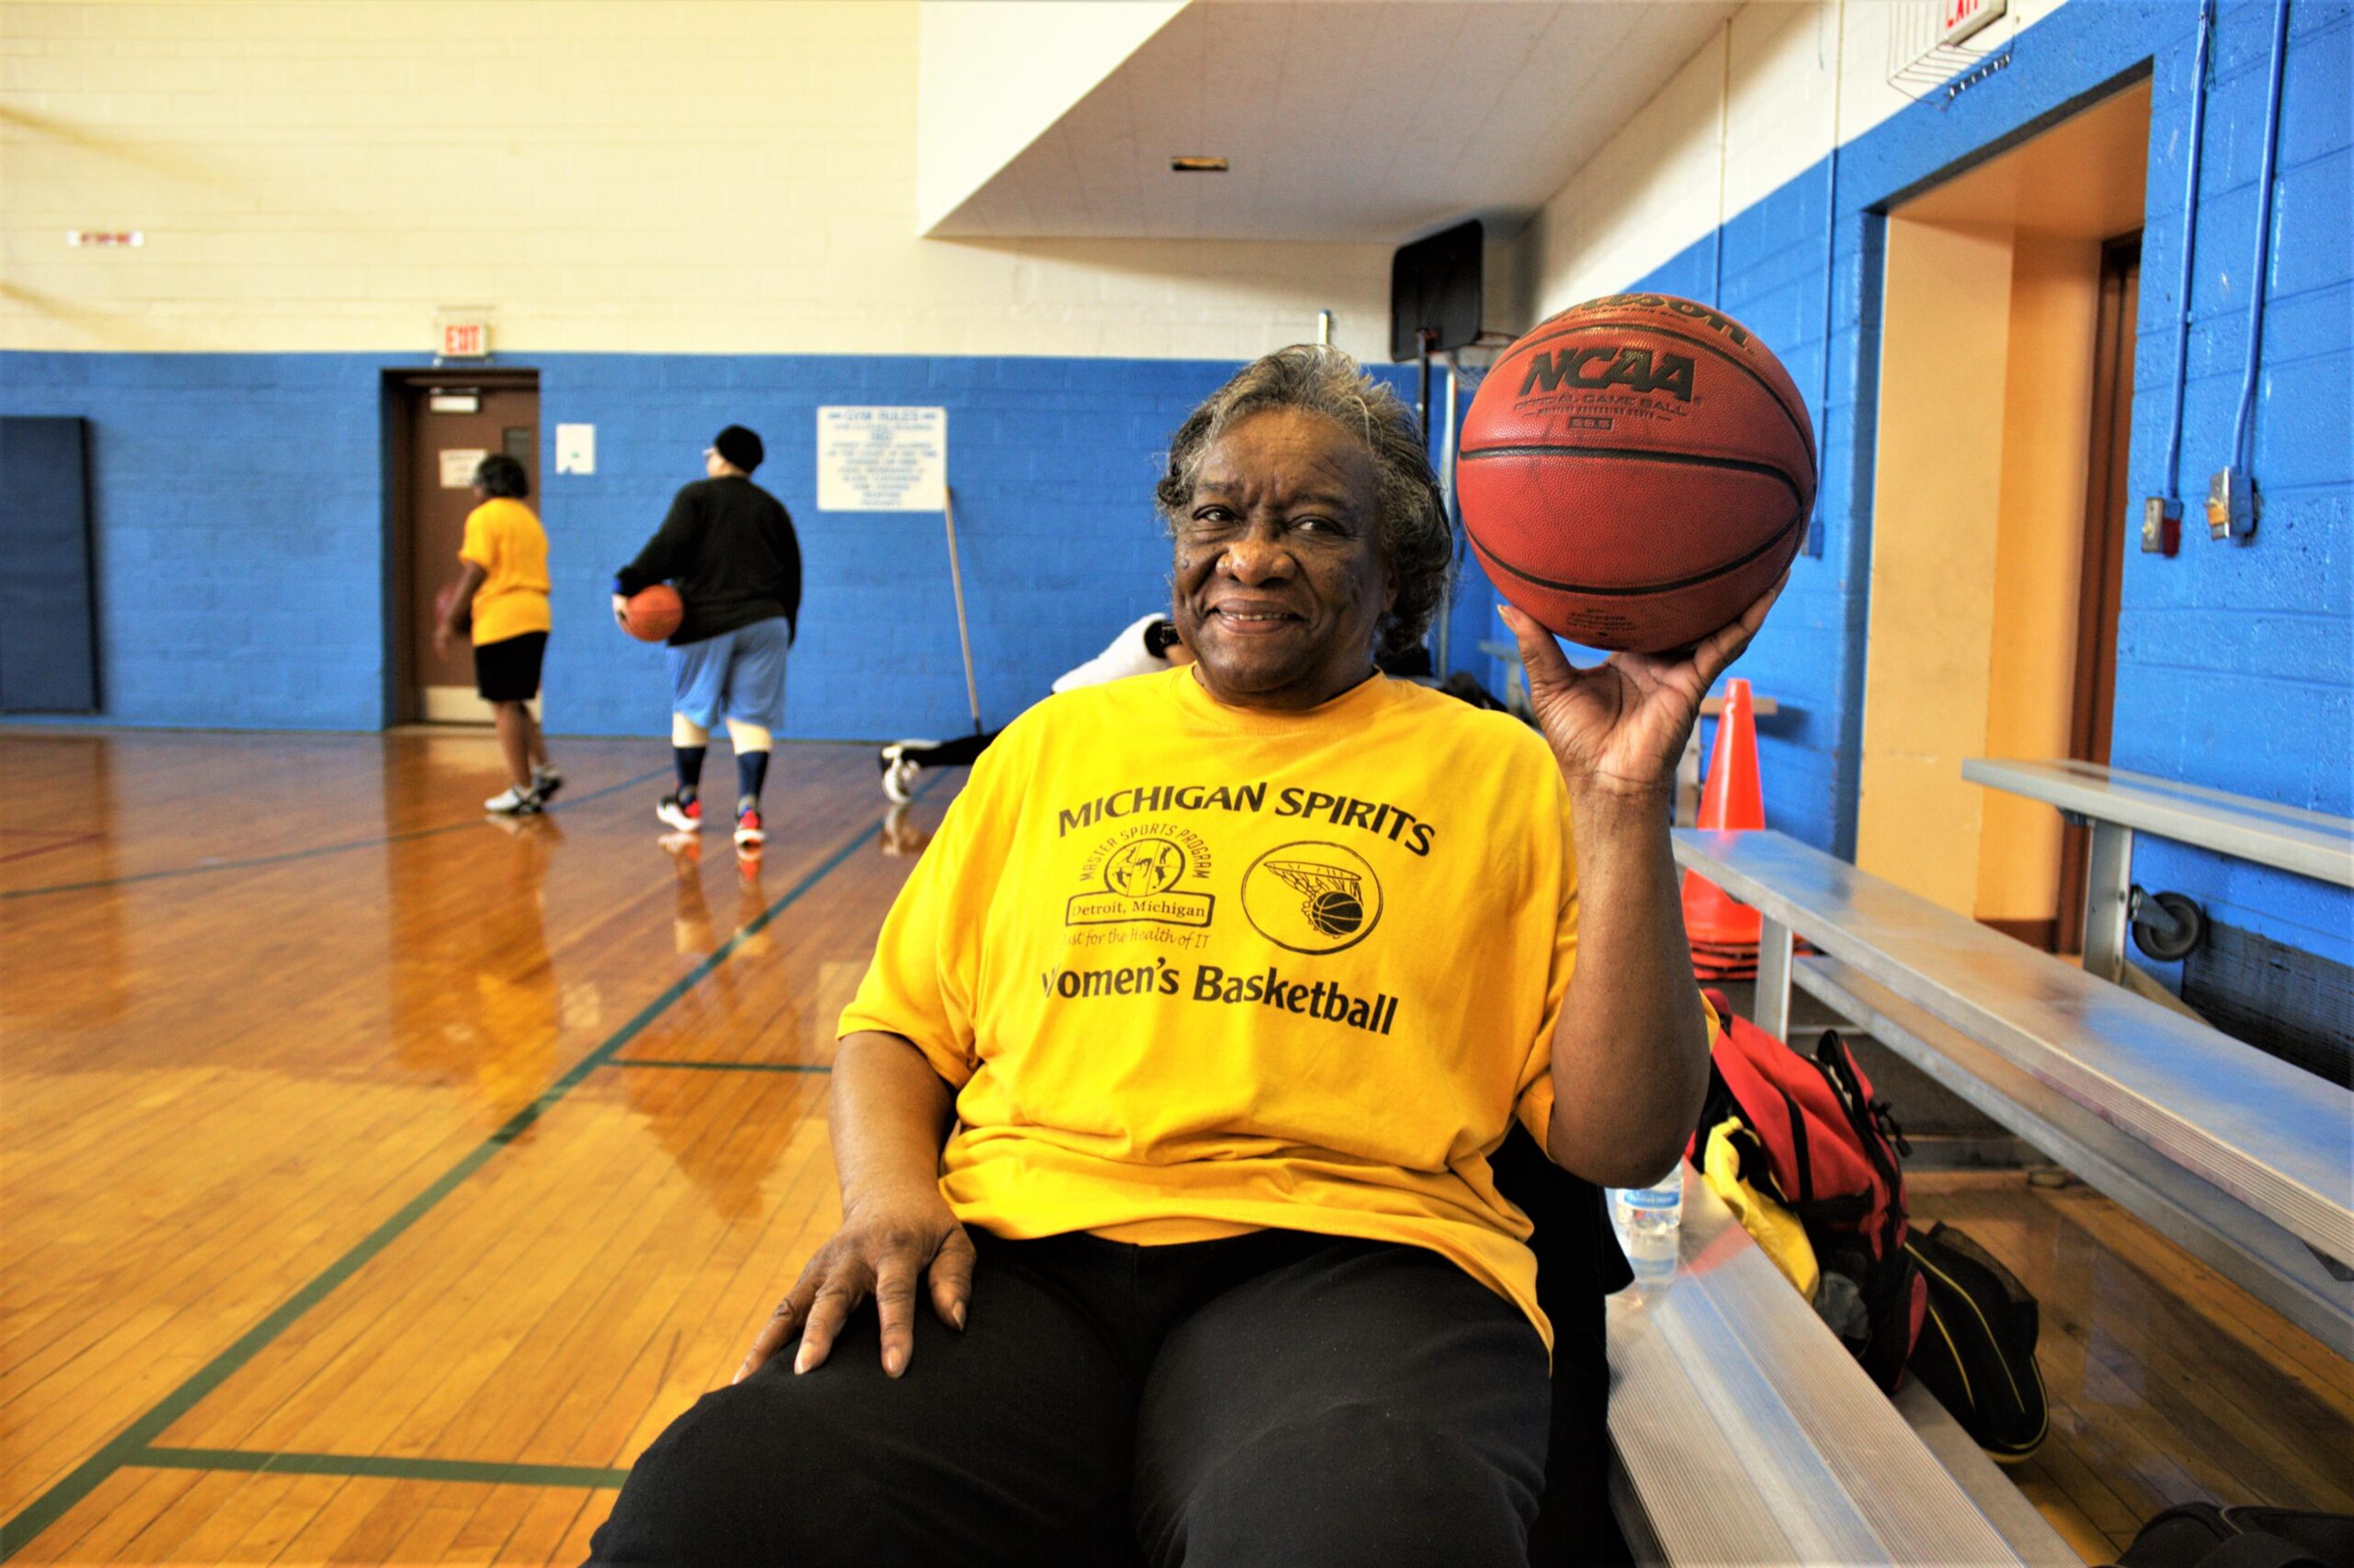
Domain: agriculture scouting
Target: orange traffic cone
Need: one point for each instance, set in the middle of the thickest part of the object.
(1730, 798)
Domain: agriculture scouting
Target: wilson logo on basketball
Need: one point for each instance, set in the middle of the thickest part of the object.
(1597, 369)
(1691, 310)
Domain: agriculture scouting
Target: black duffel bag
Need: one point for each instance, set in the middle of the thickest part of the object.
(2200, 1535)
(1977, 1349)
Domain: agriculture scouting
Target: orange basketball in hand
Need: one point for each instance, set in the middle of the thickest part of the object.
(654, 613)
(1636, 471)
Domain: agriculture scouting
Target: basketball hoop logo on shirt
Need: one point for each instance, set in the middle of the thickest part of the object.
(1312, 897)
(1140, 871)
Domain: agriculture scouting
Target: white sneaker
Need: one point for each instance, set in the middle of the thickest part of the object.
(684, 819)
(546, 781)
(512, 802)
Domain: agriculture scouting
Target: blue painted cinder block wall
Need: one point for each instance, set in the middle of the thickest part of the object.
(1052, 463)
(2236, 664)
(241, 521)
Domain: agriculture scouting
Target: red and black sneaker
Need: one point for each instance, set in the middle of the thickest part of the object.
(684, 817)
(748, 831)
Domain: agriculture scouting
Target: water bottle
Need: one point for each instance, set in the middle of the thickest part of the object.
(1649, 1221)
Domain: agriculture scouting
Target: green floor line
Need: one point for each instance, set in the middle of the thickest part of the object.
(721, 1066)
(285, 856)
(388, 1466)
(138, 1438)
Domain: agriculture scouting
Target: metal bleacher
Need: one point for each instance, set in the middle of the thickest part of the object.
(2115, 805)
(1742, 1431)
(2242, 1160)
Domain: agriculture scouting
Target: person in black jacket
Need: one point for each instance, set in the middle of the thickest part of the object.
(729, 549)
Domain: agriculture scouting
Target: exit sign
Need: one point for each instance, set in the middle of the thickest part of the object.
(1958, 19)
(462, 333)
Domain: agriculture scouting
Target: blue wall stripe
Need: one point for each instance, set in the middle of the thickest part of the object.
(240, 505)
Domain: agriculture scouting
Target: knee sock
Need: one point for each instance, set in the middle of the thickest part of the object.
(751, 772)
(688, 741)
(688, 761)
(751, 742)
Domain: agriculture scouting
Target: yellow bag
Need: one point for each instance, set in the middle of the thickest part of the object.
(1772, 1227)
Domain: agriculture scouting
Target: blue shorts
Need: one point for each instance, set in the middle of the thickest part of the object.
(739, 674)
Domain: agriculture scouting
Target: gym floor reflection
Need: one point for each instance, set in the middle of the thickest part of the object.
(348, 1128)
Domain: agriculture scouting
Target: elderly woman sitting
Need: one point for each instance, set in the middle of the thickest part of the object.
(1171, 1090)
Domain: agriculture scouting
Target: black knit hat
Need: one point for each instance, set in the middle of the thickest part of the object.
(740, 447)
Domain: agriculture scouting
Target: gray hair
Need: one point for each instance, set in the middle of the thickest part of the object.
(1410, 516)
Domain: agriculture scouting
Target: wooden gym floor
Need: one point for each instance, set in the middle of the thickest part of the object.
(375, 1181)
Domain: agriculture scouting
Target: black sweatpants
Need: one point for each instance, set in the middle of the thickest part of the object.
(1275, 1398)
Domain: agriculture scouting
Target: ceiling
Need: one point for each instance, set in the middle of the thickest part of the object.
(1370, 121)
(2082, 179)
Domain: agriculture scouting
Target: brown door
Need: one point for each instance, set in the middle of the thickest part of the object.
(447, 424)
(2107, 499)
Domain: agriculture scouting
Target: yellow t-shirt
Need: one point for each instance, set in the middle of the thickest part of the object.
(1196, 970)
(506, 541)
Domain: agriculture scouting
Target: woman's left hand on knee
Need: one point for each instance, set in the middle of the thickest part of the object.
(886, 1248)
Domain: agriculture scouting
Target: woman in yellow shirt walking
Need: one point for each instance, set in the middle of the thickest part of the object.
(502, 594)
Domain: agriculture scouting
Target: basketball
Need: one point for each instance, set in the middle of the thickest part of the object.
(1636, 471)
(654, 613)
(1336, 913)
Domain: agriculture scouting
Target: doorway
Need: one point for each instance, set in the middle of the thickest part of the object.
(444, 423)
(1999, 511)
(2107, 499)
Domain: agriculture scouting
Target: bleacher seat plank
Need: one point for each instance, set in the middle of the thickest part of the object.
(2310, 843)
(1744, 1432)
(2008, 1508)
(2269, 1135)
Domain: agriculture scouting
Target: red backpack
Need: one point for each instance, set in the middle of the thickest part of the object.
(1810, 1136)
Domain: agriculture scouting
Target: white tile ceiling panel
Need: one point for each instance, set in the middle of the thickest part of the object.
(1364, 120)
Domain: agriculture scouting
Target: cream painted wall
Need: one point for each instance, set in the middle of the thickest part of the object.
(2039, 559)
(1656, 178)
(1751, 109)
(727, 176)
(1938, 492)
